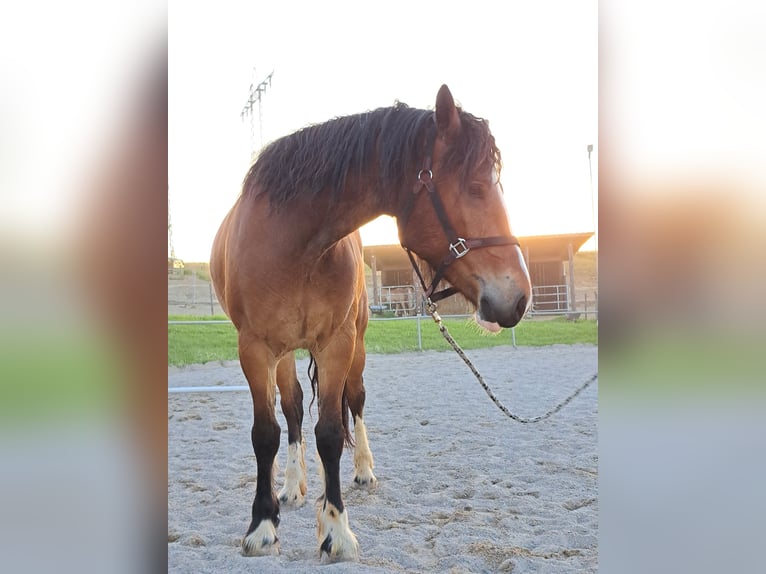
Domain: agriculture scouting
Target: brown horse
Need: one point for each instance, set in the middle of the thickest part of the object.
(287, 267)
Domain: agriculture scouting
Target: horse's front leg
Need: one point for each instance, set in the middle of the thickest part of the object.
(259, 367)
(334, 535)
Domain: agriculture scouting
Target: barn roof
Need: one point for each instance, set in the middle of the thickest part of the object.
(552, 247)
(536, 248)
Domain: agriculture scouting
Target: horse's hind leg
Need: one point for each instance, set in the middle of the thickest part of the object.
(355, 393)
(333, 363)
(293, 491)
(260, 369)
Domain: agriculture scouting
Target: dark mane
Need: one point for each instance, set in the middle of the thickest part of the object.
(322, 156)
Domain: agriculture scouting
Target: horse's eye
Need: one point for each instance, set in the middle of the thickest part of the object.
(476, 190)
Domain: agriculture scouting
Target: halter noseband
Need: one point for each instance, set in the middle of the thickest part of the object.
(458, 246)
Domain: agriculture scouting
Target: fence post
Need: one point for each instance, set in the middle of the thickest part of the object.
(586, 304)
(375, 291)
(595, 302)
(572, 295)
(210, 286)
(420, 336)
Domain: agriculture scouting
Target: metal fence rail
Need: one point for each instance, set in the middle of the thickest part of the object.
(401, 299)
(219, 389)
(199, 296)
(201, 322)
(550, 299)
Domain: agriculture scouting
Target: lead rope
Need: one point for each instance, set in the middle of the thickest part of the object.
(431, 306)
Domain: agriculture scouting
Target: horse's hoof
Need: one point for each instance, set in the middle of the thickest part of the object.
(332, 550)
(337, 542)
(365, 480)
(262, 541)
(292, 497)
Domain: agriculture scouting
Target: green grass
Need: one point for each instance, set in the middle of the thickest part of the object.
(48, 376)
(685, 365)
(191, 344)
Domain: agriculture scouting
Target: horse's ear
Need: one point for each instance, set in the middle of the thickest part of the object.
(447, 118)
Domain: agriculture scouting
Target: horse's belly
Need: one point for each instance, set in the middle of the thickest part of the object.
(290, 313)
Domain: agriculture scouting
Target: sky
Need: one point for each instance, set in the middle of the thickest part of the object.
(531, 69)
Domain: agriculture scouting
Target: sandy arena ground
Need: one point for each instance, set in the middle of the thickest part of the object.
(461, 488)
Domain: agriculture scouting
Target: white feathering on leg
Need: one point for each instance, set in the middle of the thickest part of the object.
(293, 492)
(363, 461)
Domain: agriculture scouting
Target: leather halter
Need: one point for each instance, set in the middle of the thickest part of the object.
(458, 246)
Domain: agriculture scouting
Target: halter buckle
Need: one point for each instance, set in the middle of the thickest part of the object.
(459, 248)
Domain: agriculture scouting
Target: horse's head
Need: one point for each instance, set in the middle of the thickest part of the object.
(456, 219)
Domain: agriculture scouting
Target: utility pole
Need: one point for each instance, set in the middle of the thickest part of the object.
(256, 96)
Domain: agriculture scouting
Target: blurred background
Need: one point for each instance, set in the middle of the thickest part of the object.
(682, 310)
(83, 190)
(83, 355)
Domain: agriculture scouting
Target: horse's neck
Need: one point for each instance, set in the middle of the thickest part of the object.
(357, 205)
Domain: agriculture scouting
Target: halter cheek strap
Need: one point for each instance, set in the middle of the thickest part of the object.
(458, 246)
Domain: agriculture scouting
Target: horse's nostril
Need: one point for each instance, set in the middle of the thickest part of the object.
(486, 311)
(521, 306)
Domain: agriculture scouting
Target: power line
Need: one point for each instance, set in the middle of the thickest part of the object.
(255, 96)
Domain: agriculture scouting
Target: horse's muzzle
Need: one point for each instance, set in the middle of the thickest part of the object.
(503, 312)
